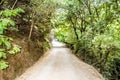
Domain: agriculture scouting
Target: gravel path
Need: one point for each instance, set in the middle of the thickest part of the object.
(60, 64)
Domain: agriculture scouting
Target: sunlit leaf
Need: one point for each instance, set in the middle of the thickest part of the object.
(5, 22)
(3, 55)
(8, 45)
(3, 65)
(15, 49)
(8, 13)
(1, 30)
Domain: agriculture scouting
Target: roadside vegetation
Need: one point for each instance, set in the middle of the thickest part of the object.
(91, 28)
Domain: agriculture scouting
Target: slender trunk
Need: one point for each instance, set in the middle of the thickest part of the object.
(75, 32)
(14, 4)
(104, 61)
(31, 29)
(74, 27)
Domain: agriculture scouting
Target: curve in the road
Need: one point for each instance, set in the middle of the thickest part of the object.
(60, 64)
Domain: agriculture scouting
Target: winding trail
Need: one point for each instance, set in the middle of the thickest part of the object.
(60, 64)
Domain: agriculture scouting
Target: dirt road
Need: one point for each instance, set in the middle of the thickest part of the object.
(60, 64)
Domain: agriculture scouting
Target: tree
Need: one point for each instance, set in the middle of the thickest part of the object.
(91, 28)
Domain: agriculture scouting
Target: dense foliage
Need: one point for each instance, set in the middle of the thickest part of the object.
(7, 23)
(34, 22)
(92, 29)
(40, 19)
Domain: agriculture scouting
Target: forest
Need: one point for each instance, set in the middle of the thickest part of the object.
(90, 28)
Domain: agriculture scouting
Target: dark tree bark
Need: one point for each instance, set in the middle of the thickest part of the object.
(74, 27)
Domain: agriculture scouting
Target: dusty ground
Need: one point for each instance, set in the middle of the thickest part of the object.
(60, 64)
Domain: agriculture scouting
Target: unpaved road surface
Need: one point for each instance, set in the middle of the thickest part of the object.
(60, 64)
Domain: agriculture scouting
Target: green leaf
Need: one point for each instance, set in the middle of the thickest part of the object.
(1, 12)
(0, 54)
(11, 39)
(1, 40)
(11, 52)
(1, 30)
(12, 23)
(2, 49)
(15, 50)
(7, 43)
(20, 10)
(8, 13)
(3, 65)
(3, 55)
(5, 22)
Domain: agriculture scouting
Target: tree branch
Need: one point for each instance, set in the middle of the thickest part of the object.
(14, 4)
(73, 25)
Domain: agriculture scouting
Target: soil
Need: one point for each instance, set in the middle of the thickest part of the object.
(29, 54)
